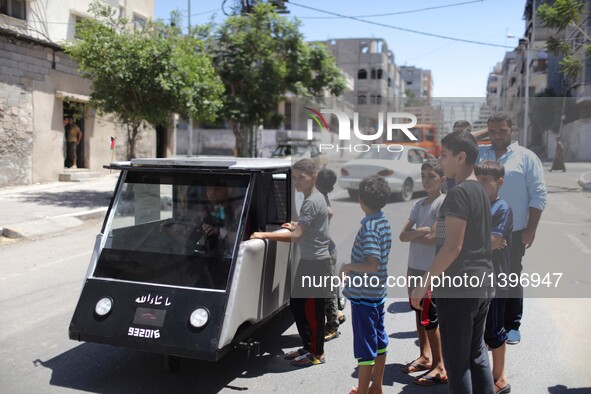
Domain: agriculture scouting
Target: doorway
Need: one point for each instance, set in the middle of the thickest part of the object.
(76, 111)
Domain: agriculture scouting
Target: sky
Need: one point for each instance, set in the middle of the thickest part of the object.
(459, 69)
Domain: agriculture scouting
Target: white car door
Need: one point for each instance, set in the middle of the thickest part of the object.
(414, 166)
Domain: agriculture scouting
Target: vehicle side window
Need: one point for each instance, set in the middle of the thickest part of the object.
(422, 155)
(314, 150)
(430, 135)
(413, 156)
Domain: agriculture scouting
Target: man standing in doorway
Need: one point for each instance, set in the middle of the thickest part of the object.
(525, 192)
(73, 138)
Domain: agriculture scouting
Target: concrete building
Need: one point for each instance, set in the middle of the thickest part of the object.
(39, 83)
(377, 82)
(576, 132)
(418, 82)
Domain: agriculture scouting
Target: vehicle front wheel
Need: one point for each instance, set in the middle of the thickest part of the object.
(354, 194)
(407, 191)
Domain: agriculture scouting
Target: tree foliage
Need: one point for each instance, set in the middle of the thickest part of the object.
(560, 15)
(260, 57)
(144, 74)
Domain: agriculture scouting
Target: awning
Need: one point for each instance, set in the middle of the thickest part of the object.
(81, 98)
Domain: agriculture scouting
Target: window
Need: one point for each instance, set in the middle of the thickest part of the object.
(414, 157)
(77, 20)
(373, 73)
(362, 74)
(380, 72)
(13, 8)
(121, 12)
(138, 22)
(362, 99)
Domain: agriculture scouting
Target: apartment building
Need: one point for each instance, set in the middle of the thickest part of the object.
(39, 84)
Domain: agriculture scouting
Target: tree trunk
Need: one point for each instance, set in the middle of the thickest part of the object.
(132, 133)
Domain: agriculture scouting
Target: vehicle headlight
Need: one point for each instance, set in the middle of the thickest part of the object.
(104, 306)
(199, 317)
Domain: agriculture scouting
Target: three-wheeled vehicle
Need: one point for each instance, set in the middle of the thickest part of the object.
(173, 270)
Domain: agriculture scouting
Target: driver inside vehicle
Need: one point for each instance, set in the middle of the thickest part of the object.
(220, 219)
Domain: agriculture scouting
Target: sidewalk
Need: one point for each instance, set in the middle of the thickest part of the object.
(29, 211)
(33, 210)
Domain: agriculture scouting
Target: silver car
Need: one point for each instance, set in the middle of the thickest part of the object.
(402, 170)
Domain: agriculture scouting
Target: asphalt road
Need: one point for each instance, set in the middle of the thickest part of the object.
(41, 279)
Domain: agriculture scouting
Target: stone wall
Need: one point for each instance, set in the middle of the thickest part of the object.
(16, 135)
(576, 138)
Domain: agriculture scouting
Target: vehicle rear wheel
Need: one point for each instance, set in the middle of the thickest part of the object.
(354, 194)
(171, 363)
(407, 190)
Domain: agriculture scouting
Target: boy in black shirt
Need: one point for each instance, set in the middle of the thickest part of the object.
(462, 268)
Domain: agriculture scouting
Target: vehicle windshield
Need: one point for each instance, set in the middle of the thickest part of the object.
(381, 154)
(174, 229)
(289, 150)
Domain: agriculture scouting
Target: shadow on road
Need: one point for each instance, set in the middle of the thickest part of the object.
(399, 307)
(70, 199)
(560, 389)
(107, 369)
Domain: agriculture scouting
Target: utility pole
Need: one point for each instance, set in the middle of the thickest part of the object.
(190, 120)
(528, 48)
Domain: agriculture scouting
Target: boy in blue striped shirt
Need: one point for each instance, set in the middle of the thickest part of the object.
(365, 285)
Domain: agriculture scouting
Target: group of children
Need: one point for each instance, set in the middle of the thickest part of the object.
(465, 231)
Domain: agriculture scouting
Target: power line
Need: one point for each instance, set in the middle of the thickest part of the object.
(402, 28)
(395, 13)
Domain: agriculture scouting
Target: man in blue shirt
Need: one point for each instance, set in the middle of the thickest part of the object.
(525, 192)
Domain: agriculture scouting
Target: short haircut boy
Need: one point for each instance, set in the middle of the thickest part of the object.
(462, 142)
(434, 165)
(307, 166)
(462, 124)
(374, 191)
(325, 180)
(500, 117)
(490, 168)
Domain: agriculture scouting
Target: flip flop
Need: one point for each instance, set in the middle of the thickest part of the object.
(504, 390)
(307, 360)
(413, 367)
(426, 380)
(295, 354)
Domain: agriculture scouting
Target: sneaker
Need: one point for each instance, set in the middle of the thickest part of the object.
(329, 335)
(513, 337)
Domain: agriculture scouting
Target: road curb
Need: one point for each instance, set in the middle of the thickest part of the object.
(47, 225)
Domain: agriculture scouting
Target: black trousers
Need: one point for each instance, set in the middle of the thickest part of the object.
(514, 304)
(462, 322)
(309, 318)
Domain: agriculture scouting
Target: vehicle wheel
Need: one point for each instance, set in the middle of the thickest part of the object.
(171, 363)
(354, 194)
(407, 191)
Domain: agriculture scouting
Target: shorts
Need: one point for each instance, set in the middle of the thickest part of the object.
(428, 315)
(369, 334)
(495, 333)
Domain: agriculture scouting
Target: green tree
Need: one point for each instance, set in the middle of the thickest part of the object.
(260, 57)
(560, 15)
(144, 74)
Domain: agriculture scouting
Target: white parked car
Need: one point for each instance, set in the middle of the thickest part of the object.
(402, 170)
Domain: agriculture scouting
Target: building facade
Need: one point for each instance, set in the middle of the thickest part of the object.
(39, 84)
